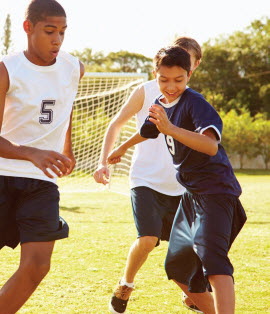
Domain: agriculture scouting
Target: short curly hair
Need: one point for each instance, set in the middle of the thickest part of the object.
(38, 10)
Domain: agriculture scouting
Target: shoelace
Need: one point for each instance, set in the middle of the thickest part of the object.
(123, 291)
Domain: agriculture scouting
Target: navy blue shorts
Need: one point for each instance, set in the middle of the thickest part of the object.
(203, 231)
(29, 211)
(153, 212)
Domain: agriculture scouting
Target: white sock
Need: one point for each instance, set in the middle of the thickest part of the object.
(128, 284)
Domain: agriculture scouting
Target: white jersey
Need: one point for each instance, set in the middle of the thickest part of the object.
(152, 164)
(37, 108)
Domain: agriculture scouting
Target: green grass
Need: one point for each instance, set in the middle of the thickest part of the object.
(86, 267)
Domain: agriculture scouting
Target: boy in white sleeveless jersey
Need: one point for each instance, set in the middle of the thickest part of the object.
(155, 192)
(37, 90)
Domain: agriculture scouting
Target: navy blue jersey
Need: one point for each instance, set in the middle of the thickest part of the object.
(198, 172)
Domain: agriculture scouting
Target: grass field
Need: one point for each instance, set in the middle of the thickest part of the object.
(86, 267)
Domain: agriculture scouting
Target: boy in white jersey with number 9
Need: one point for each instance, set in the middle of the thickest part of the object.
(37, 90)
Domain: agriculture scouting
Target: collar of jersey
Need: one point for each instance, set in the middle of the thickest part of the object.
(171, 104)
(36, 67)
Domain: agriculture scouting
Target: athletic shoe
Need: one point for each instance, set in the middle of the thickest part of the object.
(189, 304)
(119, 299)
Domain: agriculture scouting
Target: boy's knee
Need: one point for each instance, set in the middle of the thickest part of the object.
(36, 269)
(147, 243)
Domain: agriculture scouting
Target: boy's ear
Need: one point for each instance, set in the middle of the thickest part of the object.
(27, 26)
(155, 74)
(197, 63)
(189, 75)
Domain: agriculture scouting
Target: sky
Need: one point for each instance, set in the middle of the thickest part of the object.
(142, 26)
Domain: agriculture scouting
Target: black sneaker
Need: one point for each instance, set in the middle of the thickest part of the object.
(119, 299)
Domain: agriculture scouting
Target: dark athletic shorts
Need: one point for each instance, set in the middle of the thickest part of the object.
(204, 229)
(153, 212)
(29, 211)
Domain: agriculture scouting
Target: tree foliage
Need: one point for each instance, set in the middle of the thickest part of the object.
(121, 61)
(262, 138)
(238, 135)
(246, 135)
(125, 61)
(235, 71)
(6, 39)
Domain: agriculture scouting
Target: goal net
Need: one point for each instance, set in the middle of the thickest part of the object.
(100, 96)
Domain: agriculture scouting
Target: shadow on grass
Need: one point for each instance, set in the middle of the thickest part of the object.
(252, 172)
(74, 209)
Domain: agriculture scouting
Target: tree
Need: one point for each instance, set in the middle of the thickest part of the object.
(262, 135)
(93, 61)
(125, 61)
(237, 70)
(238, 134)
(7, 36)
(121, 61)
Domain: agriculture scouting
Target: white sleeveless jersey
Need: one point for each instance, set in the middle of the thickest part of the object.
(37, 108)
(152, 164)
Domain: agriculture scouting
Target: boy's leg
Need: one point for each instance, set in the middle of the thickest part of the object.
(39, 225)
(182, 264)
(223, 290)
(138, 254)
(213, 242)
(34, 265)
(147, 206)
(204, 301)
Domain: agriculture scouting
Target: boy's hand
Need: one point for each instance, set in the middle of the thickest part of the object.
(69, 154)
(159, 117)
(47, 159)
(115, 155)
(102, 174)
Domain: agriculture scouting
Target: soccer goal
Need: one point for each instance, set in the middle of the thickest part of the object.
(99, 98)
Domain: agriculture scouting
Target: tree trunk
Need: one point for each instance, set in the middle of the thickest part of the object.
(241, 161)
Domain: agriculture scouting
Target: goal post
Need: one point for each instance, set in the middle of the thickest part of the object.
(100, 96)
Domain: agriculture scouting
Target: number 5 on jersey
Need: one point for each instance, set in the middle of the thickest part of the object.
(170, 143)
(46, 112)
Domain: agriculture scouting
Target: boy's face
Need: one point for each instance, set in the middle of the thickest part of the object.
(45, 39)
(172, 81)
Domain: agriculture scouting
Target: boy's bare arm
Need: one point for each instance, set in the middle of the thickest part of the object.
(131, 107)
(43, 159)
(205, 143)
(115, 156)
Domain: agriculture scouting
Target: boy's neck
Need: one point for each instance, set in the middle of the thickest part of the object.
(36, 60)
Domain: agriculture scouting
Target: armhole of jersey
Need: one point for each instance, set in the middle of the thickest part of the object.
(12, 68)
(9, 77)
(74, 61)
(77, 70)
(144, 89)
(147, 90)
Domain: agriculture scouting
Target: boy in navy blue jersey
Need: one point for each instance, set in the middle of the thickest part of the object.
(210, 214)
